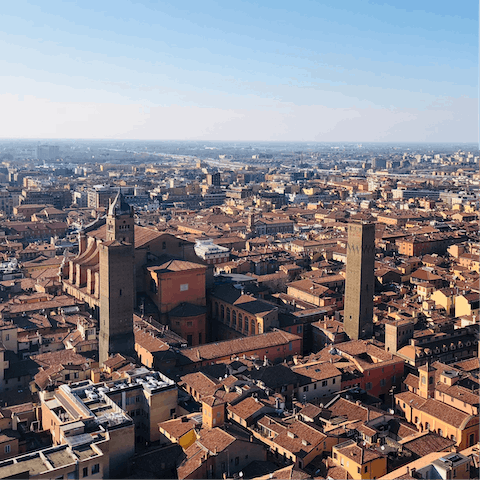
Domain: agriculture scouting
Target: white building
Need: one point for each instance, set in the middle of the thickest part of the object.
(211, 253)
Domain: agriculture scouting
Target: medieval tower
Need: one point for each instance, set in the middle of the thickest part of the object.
(360, 281)
(117, 281)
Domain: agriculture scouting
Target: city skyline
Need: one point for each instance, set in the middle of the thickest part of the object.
(242, 72)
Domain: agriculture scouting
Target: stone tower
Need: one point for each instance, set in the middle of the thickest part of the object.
(360, 281)
(117, 281)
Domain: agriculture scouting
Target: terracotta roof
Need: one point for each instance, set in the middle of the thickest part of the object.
(427, 443)
(318, 371)
(238, 346)
(359, 455)
(149, 342)
(435, 408)
(176, 266)
(178, 427)
(215, 439)
(64, 357)
(246, 408)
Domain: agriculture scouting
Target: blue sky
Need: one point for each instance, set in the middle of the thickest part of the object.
(304, 70)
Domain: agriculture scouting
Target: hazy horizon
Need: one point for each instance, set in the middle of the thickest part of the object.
(315, 71)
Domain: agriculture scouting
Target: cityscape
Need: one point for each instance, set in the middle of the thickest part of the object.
(239, 240)
(239, 310)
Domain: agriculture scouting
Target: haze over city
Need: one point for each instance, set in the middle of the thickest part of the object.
(239, 240)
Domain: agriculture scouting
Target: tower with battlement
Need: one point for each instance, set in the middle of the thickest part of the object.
(360, 281)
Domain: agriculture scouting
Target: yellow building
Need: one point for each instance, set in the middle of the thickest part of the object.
(425, 405)
(466, 305)
(445, 298)
(213, 411)
(180, 430)
(360, 463)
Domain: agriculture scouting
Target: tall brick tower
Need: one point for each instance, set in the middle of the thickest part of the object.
(360, 281)
(117, 281)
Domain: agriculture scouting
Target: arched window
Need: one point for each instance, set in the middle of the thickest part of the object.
(440, 432)
(252, 327)
(234, 318)
(259, 328)
(222, 313)
(246, 324)
(216, 309)
(228, 316)
(240, 322)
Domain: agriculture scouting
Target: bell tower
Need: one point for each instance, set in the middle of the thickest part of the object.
(426, 386)
(117, 282)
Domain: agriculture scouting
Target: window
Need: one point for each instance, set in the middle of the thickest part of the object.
(67, 376)
(394, 379)
(189, 324)
(85, 472)
(335, 455)
(237, 460)
(184, 287)
(416, 419)
(427, 426)
(75, 375)
(333, 381)
(368, 386)
(430, 380)
(324, 383)
(290, 346)
(189, 339)
(172, 412)
(95, 468)
(382, 382)
(7, 337)
(314, 386)
(137, 399)
(199, 338)
(366, 469)
(120, 293)
(7, 448)
(299, 329)
(440, 432)
(305, 389)
(424, 379)
(358, 469)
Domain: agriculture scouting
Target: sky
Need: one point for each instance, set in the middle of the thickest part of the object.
(321, 70)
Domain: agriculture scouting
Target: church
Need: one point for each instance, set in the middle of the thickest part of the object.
(119, 261)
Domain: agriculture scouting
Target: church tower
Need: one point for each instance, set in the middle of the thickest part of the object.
(360, 281)
(117, 281)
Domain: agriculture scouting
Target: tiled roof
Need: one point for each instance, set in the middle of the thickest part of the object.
(238, 346)
(428, 443)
